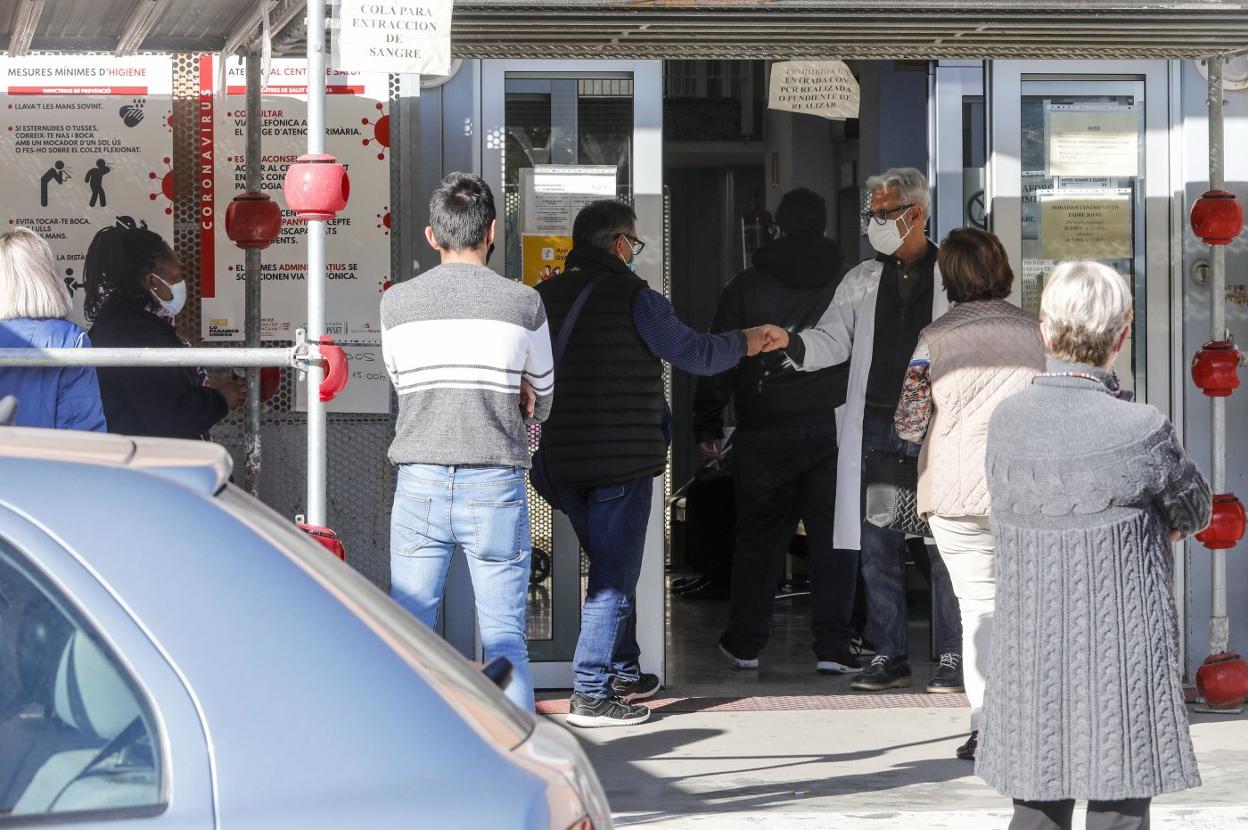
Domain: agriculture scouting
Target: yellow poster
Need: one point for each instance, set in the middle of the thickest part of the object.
(1085, 224)
(543, 257)
(1094, 142)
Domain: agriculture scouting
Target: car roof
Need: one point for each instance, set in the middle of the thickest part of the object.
(200, 465)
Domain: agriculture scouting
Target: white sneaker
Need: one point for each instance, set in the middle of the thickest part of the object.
(840, 664)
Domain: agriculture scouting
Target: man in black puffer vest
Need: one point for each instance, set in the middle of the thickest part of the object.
(607, 436)
(785, 441)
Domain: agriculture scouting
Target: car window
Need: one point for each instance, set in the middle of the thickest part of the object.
(75, 734)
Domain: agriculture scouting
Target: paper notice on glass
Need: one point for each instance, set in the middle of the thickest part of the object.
(1094, 142)
(413, 36)
(824, 88)
(555, 193)
(1034, 273)
(1085, 224)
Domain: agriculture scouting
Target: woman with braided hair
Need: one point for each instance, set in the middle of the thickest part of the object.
(135, 291)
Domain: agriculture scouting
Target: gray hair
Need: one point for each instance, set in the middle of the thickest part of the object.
(29, 284)
(911, 186)
(1085, 306)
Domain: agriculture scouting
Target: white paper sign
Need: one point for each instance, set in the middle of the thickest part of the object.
(394, 36)
(85, 140)
(1099, 142)
(555, 193)
(357, 242)
(824, 88)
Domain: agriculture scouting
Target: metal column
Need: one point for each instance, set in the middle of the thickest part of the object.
(1219, 624)
(316, 267)
(251, 430)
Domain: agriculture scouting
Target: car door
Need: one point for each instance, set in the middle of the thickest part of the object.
(97, 729)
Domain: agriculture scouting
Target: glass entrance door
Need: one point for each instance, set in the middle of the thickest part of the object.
(557, 135)
(1079, 170)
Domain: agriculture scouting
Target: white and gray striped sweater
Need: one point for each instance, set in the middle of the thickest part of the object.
(457, 340)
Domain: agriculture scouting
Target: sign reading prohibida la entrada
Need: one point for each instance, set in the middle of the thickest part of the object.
(395, 36)
(824, 88)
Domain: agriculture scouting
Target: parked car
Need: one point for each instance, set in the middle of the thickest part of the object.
(175, 654)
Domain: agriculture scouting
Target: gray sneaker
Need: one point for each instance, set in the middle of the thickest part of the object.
(588, 713)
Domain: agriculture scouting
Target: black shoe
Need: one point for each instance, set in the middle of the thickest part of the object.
(692, 585)
(737, 661)
(948, 676)
(682, 582)
(842, 662)
(646, 685)
(966, 752)
(884, 673)
(708, 589)
(588, 713)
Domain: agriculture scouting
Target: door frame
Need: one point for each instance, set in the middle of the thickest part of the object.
(647, 185)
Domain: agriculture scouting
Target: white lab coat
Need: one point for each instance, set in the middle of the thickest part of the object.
(846, 331)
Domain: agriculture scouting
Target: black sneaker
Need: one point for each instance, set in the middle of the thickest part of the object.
(842, 662)
(966, 752)
(884, 673)
(646, 685)
(588, 713)
(737, 661)
(948, 676)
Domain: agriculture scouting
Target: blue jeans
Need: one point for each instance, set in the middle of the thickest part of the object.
(884, 569)
(610, 522)
(484, 511)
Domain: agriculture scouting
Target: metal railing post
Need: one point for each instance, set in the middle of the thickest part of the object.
(1219, 624)
(251, 431)
(316, 268)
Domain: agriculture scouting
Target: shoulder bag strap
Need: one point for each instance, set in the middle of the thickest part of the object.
(565, 331)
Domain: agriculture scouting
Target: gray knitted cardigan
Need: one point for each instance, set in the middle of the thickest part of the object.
(1084, 694)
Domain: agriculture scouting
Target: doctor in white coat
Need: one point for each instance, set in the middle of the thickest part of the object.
(874, 321)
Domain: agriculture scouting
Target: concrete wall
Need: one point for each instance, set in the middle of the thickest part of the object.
(1194, 138)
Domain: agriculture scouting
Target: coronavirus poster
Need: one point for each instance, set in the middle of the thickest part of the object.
(357, 241)
(85, 142)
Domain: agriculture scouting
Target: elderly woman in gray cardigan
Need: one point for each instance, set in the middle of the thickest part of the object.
(1088, 490)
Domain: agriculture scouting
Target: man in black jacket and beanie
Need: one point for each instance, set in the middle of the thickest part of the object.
(785, 440)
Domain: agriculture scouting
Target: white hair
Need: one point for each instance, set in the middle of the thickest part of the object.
(1085, 306)
(29, 284)
(911, 186)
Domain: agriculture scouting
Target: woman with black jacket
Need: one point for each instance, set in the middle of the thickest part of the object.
(135, 290)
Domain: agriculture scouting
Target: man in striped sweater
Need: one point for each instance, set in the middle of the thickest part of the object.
(468, 352)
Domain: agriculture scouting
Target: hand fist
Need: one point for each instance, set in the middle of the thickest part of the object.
(528, 398)
(766, 338)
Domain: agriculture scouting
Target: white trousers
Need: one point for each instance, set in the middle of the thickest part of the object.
(967, 548)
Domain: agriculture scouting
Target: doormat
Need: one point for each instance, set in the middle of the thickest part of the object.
(783, 703)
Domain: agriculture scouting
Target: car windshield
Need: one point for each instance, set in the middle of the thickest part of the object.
(455, 678)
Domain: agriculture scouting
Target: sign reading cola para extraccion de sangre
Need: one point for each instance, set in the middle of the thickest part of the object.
(378, 36)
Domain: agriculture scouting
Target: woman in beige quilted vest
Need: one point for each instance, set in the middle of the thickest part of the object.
(967, 362)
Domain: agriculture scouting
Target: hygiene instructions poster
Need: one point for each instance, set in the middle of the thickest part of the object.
(357, 241)
(86, 141)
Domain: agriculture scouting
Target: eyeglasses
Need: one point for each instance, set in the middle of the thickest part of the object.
(634, 244)
(882, 216)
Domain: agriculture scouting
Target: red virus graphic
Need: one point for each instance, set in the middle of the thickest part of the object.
(385, 285)
(383, 220)
(166, 185)
(381, 131)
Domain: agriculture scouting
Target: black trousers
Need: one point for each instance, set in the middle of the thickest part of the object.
(1102, 815)
(711, 527)
(783, 475)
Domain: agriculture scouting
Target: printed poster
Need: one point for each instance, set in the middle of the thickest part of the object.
(544, 257)
(555, 193)
(1085, 224)
(357, 241)
(85, 142)
(1094, 141)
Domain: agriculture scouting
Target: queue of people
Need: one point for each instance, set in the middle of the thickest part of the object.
(1049, 500)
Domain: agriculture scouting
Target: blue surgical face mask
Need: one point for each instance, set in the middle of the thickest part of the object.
(632, 265)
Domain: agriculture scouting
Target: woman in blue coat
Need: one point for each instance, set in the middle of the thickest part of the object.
(34, 303)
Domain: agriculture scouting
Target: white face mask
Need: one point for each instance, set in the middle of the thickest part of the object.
(174, 304)
(886, 238)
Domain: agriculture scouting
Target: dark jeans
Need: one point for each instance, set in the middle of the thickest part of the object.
(1102, 815)
(783, 475)
(610, 522)
(884, 569)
